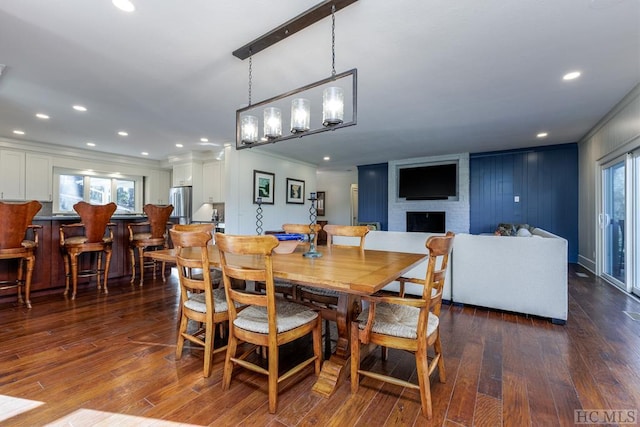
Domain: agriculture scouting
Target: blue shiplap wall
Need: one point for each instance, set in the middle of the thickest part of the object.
(372, 194)
(545, 179)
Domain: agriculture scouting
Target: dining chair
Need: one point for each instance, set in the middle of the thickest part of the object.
(284, 287)
(149, 235)
(214, 273)
(410, 324)
(93, 234)
(15, 221)
(265, 320)
(327, 299)
(199, 301)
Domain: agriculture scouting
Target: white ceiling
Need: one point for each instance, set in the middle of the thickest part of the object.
(434, 76)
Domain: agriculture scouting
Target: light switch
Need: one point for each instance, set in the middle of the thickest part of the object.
(516, 199)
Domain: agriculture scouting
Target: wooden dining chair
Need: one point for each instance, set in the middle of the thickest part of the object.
(92, 234)
(199, 302)
(410, 324)
(148, 235)
(214, 273)
(327, 299)
(284, 287)
(264, 321)
(15, 221)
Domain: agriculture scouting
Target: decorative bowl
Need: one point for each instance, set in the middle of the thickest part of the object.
(288, 242)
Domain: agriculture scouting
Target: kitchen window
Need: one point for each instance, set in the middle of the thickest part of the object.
(97, 189)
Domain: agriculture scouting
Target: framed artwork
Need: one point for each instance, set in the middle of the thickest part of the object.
(263, 187)
(295, 191)
(320, 203)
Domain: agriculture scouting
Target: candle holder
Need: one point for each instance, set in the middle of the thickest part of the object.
(312, 252)
(259, 216)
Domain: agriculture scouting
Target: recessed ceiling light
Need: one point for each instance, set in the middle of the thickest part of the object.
(542, 135)
(18, 132)
(204, 139)
(144, 153)
(572, 75)
(42, 116)
(79, 108)
(326, 158)
(91, 144)
(123, 133)
(179, 145)
(124, 5)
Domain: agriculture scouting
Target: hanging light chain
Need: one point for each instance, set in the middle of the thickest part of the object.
(333, 40)
(250, 67)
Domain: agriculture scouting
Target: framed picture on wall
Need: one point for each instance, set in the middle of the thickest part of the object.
(320, 203)
(263, 187)
(295, 191)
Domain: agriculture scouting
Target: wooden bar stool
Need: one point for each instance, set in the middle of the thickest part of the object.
(148, 235)
(93, 226)
(15, 220)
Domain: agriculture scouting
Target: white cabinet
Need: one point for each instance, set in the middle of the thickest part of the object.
(183, 174)
(213, 182)
(39, 176)
(12, 175)
(157, 188)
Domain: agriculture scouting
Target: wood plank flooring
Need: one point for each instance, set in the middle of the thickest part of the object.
(110, 360)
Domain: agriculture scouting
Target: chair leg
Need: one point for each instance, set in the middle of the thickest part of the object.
(327, 339)
(232, 344)
(27, 283)
(209, 334)
(99, 270)
(67, 272)
(73, 258)
(438, 350)
(141, 264)
(106, 268)
(317, 346)
(273, 379)
(20, 281)
(132, 257)
(422, 372)
(355, 357)
(183, 328)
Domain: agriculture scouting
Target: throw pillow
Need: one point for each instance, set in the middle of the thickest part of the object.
(505, 229)
(523, 232)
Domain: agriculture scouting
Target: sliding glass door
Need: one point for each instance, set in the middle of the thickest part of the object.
(620, 222)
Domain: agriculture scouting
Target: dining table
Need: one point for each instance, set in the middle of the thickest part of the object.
(348, 270)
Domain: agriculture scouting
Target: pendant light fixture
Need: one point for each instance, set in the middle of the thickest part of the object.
(336, 96)
(249, 124)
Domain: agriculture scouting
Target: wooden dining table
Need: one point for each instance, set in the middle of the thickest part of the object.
(349, 271)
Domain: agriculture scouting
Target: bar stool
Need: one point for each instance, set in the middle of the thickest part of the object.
(94, 223)
(149, 235)
(15, 220)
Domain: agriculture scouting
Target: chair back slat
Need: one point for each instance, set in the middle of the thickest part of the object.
(158, 217)
(14, 220)
(303, 229)
(359, 231)
(95, 219)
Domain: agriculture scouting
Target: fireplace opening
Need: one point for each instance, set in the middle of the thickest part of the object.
(426, 222)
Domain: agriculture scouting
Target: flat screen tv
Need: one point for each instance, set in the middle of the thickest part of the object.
(429, 182)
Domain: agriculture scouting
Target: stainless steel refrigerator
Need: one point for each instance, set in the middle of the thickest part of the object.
(180, 198)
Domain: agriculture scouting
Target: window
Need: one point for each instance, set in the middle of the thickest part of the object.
(97, 189)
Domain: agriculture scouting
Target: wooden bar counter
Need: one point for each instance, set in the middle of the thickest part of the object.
(48, 273)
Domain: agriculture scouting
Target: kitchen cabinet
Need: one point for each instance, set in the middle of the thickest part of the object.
(12, 175)
(39, 177)
(213, 182)
(157, 185)
(183, 175)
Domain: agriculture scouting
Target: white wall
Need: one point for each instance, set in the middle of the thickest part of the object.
(240, 211)
(457, 212)
(337, 188)
(617, 133)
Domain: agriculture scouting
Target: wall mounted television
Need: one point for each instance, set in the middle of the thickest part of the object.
(428, 182)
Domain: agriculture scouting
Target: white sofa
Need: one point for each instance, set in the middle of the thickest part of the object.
(520, 274)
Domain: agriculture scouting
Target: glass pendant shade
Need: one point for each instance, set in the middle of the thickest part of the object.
(249, 129)
(272, 122)
(300, 115)
(332, 106)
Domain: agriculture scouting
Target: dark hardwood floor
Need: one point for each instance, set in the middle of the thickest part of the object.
(111, 358)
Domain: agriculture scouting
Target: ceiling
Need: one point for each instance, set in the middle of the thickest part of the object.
(434, 76)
